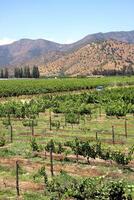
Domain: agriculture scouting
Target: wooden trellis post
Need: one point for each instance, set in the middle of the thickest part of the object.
(100, 111)
(17, 179)
(51, 161)
(96, 135)
(125, 126)
(65, 120)
(11, 133)
(50, 120)
(32, 127)
(113, 135)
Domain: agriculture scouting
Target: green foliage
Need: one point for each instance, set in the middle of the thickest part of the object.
(131, 109)
(121, 158)
(85, 149)
(50, 146)
(89, 150)
(2, 141)
(29, 122)
(7, 153)
(56, 124)
(64, 186)
(72, 118)
(84, 109)
(117, 108)
(42, 172)
(26, 87)
(77, 146)
(29, 195)
(102, 153)
(34, 144)
(60, 148)
(73, 106)
(6, 122)
(117, 191)
(68, 143)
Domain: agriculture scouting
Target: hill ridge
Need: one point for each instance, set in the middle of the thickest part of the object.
(45, 53)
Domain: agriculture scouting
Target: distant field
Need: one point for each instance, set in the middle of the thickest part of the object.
(15, 87)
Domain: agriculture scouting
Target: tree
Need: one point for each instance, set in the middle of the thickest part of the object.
(23, 72)
(26, 73)
(16, 73)
(6, 73)
(2, 74)
(35, 72)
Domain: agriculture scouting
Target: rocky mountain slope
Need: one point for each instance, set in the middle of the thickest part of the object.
(124, 36)
(26, 50)
(41, 51)
(107, 57)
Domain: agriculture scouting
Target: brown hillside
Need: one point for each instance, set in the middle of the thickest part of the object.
(102, 57)
(40, 51)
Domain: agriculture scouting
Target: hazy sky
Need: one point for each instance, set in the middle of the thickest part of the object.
(63, 21)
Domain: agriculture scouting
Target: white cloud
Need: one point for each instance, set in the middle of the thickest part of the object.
(4, 41)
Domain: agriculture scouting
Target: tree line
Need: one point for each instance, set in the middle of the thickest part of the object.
(21, 72)
(125, 70)
(4, 73)
(26, 72)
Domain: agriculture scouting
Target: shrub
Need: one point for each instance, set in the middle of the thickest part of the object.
(121, 158)
(2, 141)
(34, 145)
(117, 108)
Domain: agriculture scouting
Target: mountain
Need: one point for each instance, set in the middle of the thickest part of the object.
(46, 53)
(124, 36)
(27, 50)
(104, 57)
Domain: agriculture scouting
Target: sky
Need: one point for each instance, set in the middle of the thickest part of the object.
(63, 21)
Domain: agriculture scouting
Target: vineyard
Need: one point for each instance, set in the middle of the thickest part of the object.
(67, 146)
(9, 88)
